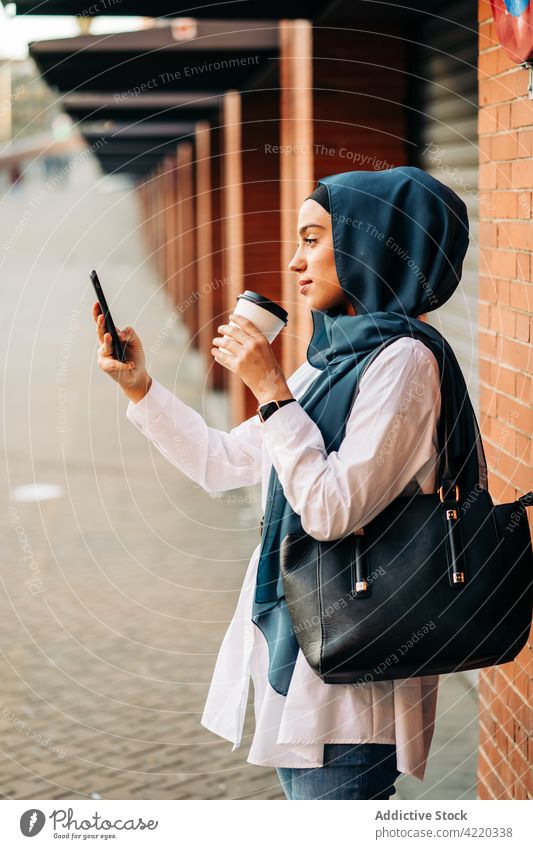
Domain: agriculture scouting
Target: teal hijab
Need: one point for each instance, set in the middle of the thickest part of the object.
(400, 237)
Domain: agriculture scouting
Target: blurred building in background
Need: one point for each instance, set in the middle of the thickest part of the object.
(37, 138)
(28, 105)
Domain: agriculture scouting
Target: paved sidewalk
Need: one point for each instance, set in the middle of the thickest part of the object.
(111, 612)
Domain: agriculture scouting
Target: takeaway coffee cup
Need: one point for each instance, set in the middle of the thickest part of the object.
(267, 315)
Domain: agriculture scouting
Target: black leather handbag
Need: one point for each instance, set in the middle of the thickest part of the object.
(433, 584)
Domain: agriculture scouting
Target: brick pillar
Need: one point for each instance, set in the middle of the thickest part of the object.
(232, 227)
(150, 220)
(169, 216)
(161, 222)
(296, 174)
(209, 270)
(505, 322)
(188, 301)
(157, 221)
(142, 200)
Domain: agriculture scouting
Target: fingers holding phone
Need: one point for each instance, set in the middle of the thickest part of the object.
(130, 370)
(105, 339)
(99, 320)
(130, 374)
(107, 362)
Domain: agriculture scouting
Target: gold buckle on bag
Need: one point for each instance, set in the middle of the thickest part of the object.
(441, 493)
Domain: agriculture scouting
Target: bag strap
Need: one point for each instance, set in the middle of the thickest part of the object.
(446, 473)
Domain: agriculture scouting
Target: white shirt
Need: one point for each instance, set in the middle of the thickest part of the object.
(390, 444)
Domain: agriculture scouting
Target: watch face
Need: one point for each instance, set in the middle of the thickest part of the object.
(266, 410)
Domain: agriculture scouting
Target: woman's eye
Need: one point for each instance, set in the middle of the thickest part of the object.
(309, 241)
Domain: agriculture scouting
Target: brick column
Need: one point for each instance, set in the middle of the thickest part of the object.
(170, 224)
(505, 322)
(186, 228)
(296, 174)
(232, 226)
(156, 220)
(161, 222)
(209, 267)
(150, 221)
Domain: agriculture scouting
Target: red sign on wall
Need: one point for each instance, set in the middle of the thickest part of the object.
(514, 25)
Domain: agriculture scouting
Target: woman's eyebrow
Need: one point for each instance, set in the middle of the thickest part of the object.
(307, 226)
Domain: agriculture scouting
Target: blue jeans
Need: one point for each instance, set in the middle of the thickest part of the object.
(350, 771)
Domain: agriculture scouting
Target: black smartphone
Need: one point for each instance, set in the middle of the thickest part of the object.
(119, 350)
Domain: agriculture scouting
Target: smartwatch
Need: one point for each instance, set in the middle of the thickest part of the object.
(266, 410)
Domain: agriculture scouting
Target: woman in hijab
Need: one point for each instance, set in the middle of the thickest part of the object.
(376, 250)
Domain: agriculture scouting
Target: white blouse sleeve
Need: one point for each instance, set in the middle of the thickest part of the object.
(390, 435)
(214, 459)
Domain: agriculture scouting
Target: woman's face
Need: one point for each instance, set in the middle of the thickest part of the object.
(314, 260)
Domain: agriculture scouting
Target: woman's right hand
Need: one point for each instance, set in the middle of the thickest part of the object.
(130, 375)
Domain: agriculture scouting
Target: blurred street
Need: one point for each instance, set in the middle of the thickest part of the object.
(117, 589)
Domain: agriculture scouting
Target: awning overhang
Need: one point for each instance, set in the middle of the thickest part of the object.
(230, 9)
(146, 84)
(170, 107)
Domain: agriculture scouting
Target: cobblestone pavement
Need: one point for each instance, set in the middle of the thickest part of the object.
(111, 613)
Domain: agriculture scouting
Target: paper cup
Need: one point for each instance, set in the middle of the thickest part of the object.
(268, 316)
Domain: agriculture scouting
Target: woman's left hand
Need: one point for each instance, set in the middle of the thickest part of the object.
(252, 359)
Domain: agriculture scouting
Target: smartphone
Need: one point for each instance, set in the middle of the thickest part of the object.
(119, 350)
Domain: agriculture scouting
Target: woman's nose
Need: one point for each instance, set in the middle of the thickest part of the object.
(297, 262)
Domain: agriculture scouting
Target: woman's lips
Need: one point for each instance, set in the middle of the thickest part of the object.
(304, 285)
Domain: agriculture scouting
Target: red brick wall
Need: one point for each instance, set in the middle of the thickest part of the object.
(505, 319)
(359, 114)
